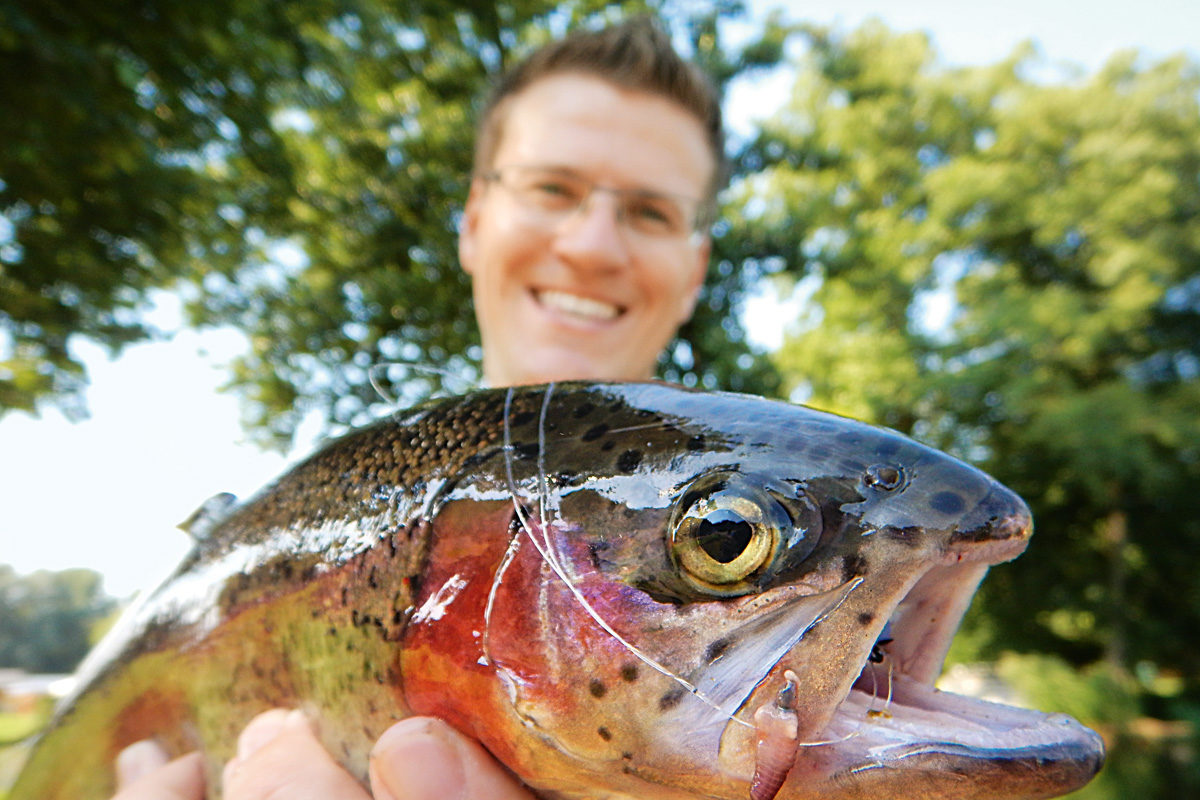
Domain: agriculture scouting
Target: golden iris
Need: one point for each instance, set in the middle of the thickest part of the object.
(725, 532)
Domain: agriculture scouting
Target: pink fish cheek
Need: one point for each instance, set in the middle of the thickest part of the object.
(442, 664)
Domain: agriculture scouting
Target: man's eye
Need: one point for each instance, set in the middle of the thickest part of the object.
(556, 191)
(654, 215)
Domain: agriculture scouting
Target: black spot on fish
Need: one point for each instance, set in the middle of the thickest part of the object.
(597, 688)
(629, 672)
(583, 409)
(525, 450)
(627, 756)
(854, 566)
(594, 550)
(595, 432)
(629, 460)
(717, 649)
(866, 618)
(604, 733)
(609, 444)
(947, 503)
(671, 698)
(521, 418)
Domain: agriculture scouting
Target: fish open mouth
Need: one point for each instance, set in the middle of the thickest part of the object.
(893, 717)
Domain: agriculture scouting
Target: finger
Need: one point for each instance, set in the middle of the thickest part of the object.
(426, 759)
(139, 779)
(139, 759)
(280, 758)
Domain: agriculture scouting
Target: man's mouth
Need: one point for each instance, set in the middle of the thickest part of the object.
(573, 305)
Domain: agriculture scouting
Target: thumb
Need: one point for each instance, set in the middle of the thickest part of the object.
(425, 759)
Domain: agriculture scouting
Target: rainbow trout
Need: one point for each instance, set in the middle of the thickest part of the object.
(627, 590)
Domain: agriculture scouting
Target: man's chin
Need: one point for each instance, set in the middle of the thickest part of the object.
(552, 364)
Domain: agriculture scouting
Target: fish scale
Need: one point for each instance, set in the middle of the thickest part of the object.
(536, 566)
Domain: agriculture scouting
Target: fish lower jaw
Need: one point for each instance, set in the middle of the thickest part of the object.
(915, 727)
(918, 713)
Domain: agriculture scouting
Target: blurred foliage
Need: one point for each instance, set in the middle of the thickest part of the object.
(1153, 757)
(297, 169)
(47, 618)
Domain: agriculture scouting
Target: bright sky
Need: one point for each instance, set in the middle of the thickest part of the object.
(106, 493)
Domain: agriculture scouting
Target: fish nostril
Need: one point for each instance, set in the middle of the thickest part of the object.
(884, 477)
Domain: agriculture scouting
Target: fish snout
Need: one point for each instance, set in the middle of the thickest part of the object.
(997, 529)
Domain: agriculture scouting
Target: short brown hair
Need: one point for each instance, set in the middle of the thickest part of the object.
(635, 54)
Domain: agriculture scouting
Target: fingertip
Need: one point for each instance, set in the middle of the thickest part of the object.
(423, 758)
(416, 760)
(280, 755)
(137, 760)
(181, 779)
(261, 731)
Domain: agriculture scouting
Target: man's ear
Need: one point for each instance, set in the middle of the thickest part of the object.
(469, 227)
(695, 280)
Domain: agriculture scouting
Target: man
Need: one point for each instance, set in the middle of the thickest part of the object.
(596, 167)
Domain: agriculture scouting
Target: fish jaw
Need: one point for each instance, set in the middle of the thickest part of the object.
(886, 730)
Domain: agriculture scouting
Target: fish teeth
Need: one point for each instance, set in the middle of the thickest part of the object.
(578, 306)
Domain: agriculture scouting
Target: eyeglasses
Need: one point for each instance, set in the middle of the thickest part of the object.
(554, 194)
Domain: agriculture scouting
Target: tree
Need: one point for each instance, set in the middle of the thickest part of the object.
(47, 618)
(138, 150)
(1009, 269)
(296, 169)
(384, 174)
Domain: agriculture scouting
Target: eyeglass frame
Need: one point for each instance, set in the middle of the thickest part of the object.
(701, 213)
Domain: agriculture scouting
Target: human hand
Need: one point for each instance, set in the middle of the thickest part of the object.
(279, 757)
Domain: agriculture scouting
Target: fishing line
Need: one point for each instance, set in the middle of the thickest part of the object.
(377, 374)
(550, 558)
(510, 552)
(560, 573)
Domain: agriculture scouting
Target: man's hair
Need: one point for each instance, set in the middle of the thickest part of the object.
(635, 54)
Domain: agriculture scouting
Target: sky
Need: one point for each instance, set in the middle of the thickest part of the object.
(106, 493)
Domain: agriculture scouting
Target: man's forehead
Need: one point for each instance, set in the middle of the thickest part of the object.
(585, 121)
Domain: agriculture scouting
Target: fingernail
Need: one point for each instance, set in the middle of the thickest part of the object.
(140, 758)
(413, 760)
(265, 728)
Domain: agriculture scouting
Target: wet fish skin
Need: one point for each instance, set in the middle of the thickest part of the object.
(362, 587)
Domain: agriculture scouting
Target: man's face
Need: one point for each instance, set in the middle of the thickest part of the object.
(584, 295)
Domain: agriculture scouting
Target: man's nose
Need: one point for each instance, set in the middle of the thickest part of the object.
(593, 235)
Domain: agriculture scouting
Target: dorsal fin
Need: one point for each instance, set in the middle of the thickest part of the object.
(208, 515)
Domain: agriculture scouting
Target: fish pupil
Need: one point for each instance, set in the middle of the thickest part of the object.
(724, 535)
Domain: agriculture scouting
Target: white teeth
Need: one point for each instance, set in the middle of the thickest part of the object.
(578, 306)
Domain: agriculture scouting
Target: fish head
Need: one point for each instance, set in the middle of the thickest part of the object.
(720, 596)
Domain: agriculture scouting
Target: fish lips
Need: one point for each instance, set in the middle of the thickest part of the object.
(867, 714)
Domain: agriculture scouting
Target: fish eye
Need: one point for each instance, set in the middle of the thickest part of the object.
(725, 532)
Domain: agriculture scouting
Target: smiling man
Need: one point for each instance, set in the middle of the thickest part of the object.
(585, 228)
(585, 234)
